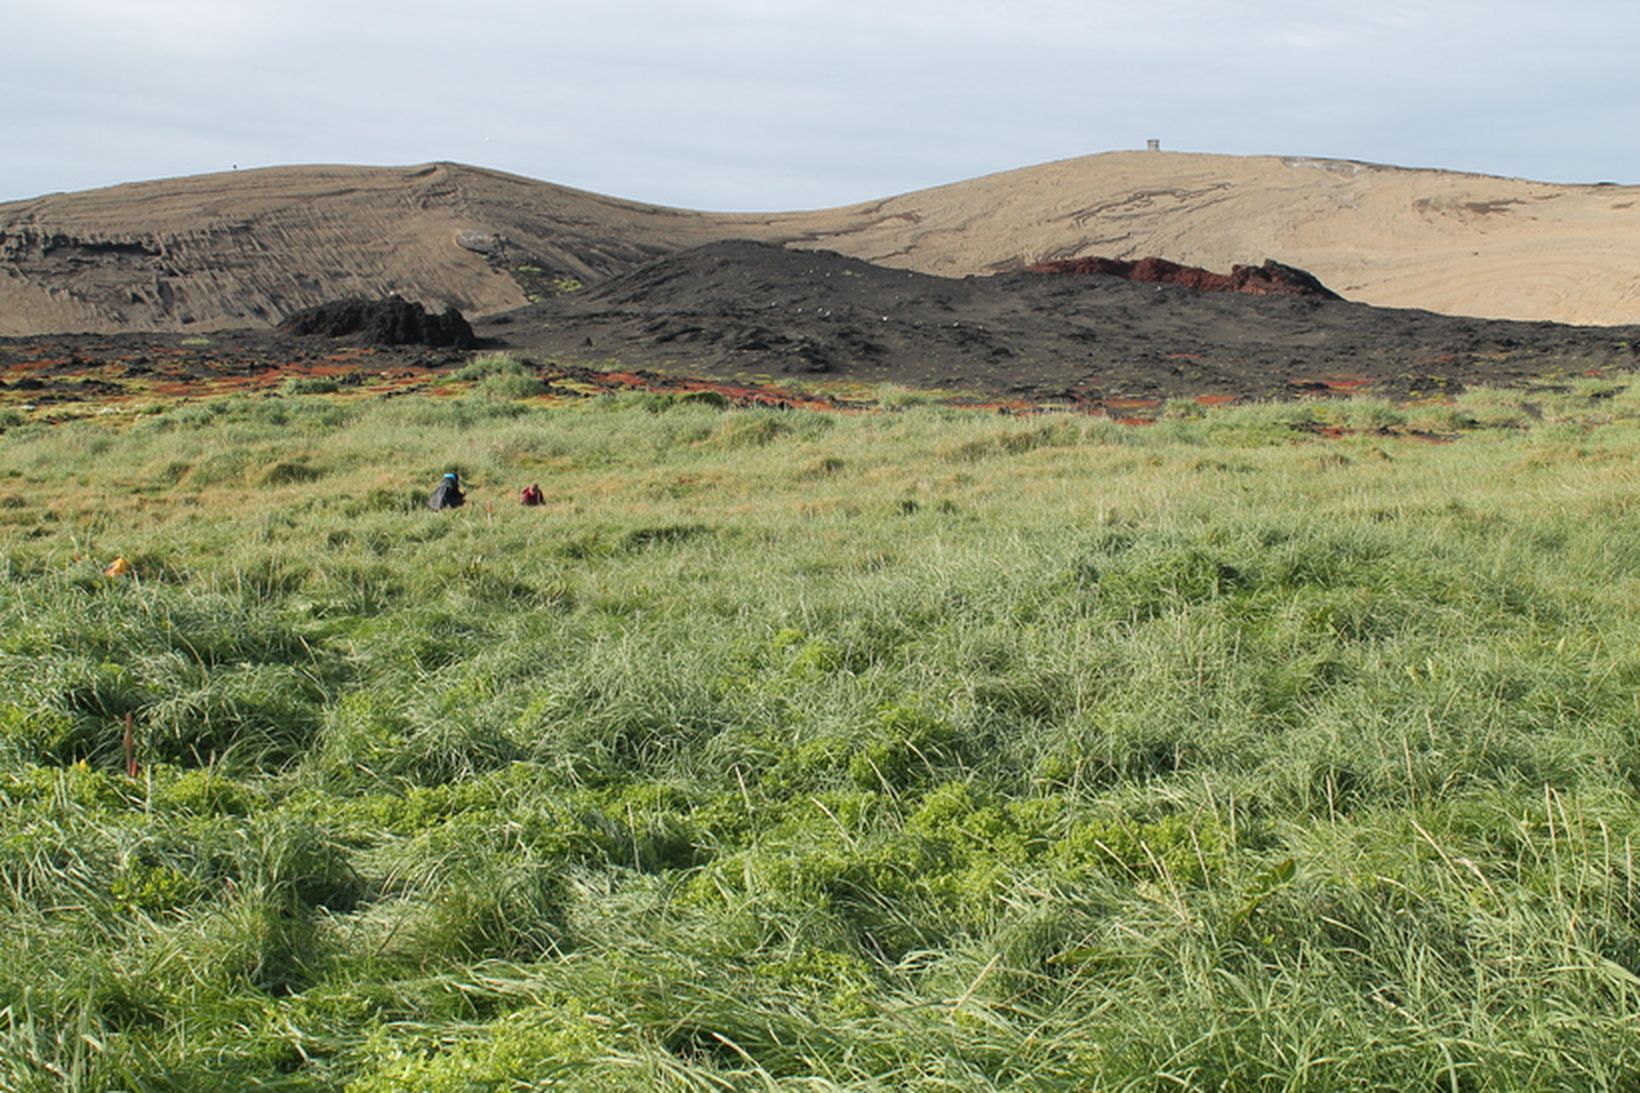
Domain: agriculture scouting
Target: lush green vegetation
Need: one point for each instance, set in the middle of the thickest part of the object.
(915, 750)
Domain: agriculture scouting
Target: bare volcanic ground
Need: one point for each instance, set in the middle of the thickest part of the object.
(762, 324)
(748, 310)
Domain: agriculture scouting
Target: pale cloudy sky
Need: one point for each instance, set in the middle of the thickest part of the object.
(738, 104)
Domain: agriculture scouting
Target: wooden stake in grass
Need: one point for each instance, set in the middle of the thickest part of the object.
(130, 744)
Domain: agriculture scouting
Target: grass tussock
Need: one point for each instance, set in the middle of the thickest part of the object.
(912, 750)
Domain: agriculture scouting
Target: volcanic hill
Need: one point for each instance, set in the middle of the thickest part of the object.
(250, 248)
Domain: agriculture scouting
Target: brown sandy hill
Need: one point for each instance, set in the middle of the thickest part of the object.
(250, 247)
(1462, 244)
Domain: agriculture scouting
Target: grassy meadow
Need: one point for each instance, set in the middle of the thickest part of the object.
(918, 749)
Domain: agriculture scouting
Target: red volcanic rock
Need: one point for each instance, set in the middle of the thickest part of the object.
(1271, 279)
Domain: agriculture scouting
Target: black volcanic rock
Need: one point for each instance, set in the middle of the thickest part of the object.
(743, 310)
(393, 321)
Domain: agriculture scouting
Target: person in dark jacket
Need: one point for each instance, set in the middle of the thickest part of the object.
(447, 494)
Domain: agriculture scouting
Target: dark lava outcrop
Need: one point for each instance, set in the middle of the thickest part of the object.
(744, 313)
(1271, 279)
(393, 321)
(743, 310)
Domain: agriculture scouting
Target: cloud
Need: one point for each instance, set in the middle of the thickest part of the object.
(147, 31)
(742, 104)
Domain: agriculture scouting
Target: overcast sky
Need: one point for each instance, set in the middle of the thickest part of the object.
(765, 104)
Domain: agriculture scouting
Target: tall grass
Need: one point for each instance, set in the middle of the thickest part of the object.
(922, 749)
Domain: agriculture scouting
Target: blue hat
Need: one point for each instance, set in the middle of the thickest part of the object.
(449, 474)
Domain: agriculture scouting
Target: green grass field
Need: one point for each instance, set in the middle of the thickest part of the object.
(916, 750)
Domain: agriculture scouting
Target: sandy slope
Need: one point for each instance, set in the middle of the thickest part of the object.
(1456, 243)
(249, 247)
